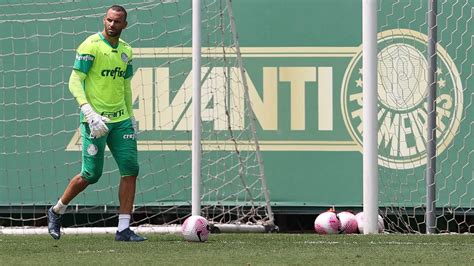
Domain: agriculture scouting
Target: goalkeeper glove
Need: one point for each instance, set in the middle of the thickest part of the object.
(135, 127)
(96, 122)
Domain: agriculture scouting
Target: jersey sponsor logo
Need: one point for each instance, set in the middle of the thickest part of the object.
(114, 114)
(402, 108)
(117, 72)
(84, 57)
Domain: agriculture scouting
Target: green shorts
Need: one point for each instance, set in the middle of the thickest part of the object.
(122, 144)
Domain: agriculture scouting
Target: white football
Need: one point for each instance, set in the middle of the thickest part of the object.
(348, 222)
(327, 223)
(195, 228)
(360, 222)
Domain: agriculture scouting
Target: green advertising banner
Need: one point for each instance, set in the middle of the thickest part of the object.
(303, 65)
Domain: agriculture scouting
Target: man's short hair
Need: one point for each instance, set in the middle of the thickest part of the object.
(119, 8)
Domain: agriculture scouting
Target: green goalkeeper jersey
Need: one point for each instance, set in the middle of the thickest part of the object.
(106, 69)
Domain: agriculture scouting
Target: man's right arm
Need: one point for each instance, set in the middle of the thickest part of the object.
(76, 81)
(85, 56)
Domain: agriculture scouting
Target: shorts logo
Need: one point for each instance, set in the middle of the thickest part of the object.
(402, 89)
(124, 57)
(92, 149)
(129, 136)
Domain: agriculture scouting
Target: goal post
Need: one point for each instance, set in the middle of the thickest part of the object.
(41, 150)
(431, 124)
(196, 138)
(370, 164)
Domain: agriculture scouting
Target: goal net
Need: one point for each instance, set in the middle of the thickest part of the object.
(39, 118)
(402, 95)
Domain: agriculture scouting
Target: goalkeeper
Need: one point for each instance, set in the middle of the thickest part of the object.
(101, 84)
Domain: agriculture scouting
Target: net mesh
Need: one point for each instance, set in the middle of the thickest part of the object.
(402, 91)
(40, 141)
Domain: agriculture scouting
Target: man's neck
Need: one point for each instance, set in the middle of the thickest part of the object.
(112, 40)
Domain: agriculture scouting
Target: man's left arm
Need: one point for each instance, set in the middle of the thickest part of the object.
(129, 103)
(128, 94)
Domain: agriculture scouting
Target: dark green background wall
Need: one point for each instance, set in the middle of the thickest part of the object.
(38, 116)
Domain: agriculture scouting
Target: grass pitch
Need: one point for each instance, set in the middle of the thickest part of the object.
(239, 249)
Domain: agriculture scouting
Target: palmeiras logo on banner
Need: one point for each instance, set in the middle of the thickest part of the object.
(402, 89)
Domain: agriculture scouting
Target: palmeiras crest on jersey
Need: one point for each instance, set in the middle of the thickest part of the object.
(124, 57)
(402, 89)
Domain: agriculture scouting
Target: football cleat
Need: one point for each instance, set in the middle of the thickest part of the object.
(128, 235)
(54, 223)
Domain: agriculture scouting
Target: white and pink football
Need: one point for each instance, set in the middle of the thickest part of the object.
(348, 222)
(196, 229)
(327, 223)
(360, 222)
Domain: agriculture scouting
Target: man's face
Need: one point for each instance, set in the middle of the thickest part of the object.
(114, 23)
